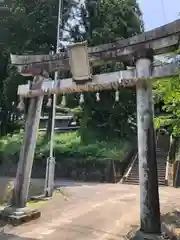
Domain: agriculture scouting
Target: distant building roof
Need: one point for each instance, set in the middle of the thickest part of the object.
(58, 117)
(5, 5)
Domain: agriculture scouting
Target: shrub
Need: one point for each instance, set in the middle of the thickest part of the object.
(67, 145)
(6, 191)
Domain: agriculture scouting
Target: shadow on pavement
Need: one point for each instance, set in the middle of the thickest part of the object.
(69, 183)
(171, 224)
(5, 236)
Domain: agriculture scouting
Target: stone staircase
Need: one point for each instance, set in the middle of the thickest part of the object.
(132, 174)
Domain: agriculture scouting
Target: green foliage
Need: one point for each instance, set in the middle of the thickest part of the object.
(168, 91)
(67, 145)
(10, 145)
(107, 118)
(98, 27)
(163, 121)
(31, 27)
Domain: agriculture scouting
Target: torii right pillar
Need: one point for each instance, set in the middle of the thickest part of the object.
(148, 176)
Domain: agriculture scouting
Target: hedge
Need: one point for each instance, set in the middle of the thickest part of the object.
(67, 145)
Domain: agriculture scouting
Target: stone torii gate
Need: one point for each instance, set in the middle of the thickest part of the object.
(137, 51)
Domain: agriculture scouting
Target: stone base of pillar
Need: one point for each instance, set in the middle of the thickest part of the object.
(166, 182)
(17, 216)
(143, 236)
(41, 198)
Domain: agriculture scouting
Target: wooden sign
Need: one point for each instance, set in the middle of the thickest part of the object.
(79, 62)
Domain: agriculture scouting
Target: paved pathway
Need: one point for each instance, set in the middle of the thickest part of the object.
(95, 212)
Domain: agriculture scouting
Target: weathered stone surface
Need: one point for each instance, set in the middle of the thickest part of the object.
(100, 82)
(161, 40)
(36, 68)
(144, 53)
(170, 29)
(16, 216)
(26, 157)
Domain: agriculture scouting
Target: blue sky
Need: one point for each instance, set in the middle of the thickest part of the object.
(153, 14)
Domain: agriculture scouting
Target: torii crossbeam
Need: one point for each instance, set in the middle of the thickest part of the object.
(137, 51)
(162, 40)
(106, 81)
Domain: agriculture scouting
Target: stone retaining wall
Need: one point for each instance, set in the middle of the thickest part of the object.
(107, 171)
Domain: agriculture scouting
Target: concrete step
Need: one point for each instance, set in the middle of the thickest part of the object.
(137, 175)
(137, 183)
(163, 163)
(133, 177)
(160, 177)
(159, 170)
(158, 165)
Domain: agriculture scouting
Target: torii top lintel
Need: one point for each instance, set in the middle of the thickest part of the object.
(161, 40)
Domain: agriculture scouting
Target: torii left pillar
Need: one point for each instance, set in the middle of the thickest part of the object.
(26, 157)
(148, 177)
(18, 211)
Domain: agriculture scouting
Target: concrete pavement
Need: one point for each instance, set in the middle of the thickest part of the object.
(94, 212)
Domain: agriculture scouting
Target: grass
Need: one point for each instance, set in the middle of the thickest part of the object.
(67, 145)
(35, 204)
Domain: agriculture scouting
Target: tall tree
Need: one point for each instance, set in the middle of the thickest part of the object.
(102, 22)
(31, 27)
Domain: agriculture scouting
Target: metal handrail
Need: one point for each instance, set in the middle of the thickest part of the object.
(131, 165)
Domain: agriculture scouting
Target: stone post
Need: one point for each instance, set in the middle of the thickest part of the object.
(49, 180)
(26, 157)
(148, 177)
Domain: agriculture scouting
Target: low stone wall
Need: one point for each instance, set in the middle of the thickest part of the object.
(101, 171)
(7, 185)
